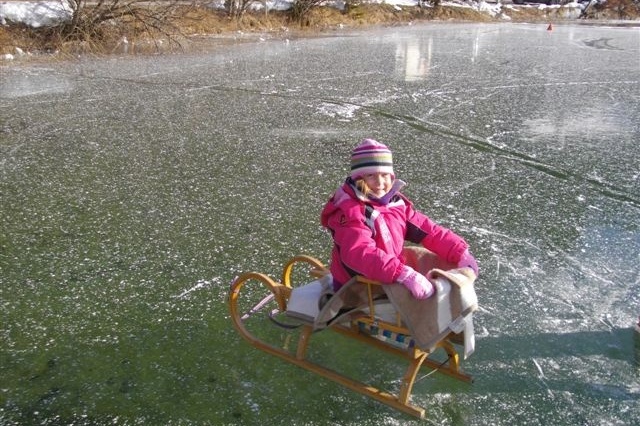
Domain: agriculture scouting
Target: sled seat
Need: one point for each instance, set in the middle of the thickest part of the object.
(389, 311)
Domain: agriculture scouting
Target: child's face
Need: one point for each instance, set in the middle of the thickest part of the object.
(378, 183)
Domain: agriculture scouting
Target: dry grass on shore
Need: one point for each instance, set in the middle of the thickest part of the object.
(196, 23)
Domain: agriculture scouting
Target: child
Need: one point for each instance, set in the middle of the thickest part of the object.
(369, 220)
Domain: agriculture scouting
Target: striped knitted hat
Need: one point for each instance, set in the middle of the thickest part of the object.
(370, 156)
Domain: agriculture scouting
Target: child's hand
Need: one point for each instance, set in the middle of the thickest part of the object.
(417, 284)
(468, 261)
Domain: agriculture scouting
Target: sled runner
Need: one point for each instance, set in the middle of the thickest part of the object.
(385, 317)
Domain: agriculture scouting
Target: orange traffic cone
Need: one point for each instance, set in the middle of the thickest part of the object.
(549, 28)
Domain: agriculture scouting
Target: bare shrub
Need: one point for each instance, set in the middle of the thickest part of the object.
(612, 9)
(624, 9)
(237, 8)
(94, 20)
(301, 10)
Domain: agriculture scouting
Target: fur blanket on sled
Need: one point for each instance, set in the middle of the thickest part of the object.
(429, 321)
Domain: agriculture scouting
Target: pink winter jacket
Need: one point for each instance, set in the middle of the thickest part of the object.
(369, 236)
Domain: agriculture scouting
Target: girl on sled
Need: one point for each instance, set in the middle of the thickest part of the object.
(370, 219)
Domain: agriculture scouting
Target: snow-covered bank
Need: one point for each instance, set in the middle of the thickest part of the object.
(45, 13)
(52, 12)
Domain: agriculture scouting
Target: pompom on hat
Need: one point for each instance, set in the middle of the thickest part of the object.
(371, 156)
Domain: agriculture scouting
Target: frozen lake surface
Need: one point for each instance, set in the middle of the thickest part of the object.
(133, 190)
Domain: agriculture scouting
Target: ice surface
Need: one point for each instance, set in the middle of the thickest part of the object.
(135, 188)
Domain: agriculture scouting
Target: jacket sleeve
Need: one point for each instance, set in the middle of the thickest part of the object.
(442, 241)
(357, 248)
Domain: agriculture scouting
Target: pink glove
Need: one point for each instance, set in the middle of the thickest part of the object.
(468, 261)
(417, 284)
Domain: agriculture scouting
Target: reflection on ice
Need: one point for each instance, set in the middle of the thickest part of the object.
(413, 58)
(589, 124)
(41, 82)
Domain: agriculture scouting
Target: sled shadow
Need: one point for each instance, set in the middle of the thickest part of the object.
(619, 344)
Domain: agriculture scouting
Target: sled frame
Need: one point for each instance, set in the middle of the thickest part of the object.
(415, 357)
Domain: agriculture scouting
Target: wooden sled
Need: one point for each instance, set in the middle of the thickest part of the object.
(361, 324)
